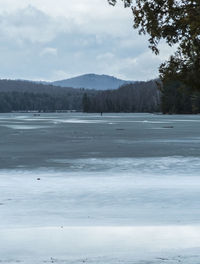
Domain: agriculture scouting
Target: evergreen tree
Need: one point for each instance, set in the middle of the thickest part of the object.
(86, 103)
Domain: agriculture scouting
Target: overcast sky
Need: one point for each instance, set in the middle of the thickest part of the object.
(58, 39)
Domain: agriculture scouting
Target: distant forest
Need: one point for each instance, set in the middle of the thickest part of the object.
(137, 97)
(30, 96)
(149, 96)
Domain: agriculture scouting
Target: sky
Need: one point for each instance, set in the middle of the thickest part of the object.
(58, 39)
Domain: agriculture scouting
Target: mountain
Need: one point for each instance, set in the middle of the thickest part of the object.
(92, 81)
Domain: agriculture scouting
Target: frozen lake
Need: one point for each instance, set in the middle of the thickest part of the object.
(84, 188)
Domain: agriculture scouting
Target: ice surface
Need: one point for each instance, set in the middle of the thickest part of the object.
(101, 244)
(91, 189)
(21, 126)
(93, 192)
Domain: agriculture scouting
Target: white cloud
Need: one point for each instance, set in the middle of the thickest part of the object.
(77, 36)
(49, 51)
(95, 16)
(31, 24)
(106, 56)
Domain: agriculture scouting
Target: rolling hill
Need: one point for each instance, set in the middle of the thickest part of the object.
(92, 81)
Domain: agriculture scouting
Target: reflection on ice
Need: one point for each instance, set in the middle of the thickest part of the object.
(144, 191)
(73, 206)
(137, 166)
(81, 121)
(25, 127)
(102, 244)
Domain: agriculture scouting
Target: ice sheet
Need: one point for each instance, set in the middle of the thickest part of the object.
(152, 244)
(80, 191)
(142, 191)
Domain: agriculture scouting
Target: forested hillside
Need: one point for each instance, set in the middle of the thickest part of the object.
(25, 96)
(28, 96)
(138, 97)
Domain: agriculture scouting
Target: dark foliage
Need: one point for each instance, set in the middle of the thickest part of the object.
(138, 97)
(177, 98)
(176, 22)
(29, 96)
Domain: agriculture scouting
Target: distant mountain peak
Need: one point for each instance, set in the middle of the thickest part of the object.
(92, 81)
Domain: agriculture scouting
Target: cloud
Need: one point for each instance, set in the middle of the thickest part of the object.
(49, 51)
(30, 24)
(48, 40)
(141, 67)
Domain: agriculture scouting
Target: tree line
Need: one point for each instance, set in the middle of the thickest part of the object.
(151, 96)
(28, 96)
(136, 97)
(42, 102)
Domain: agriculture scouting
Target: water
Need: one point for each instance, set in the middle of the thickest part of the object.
(85, 188)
